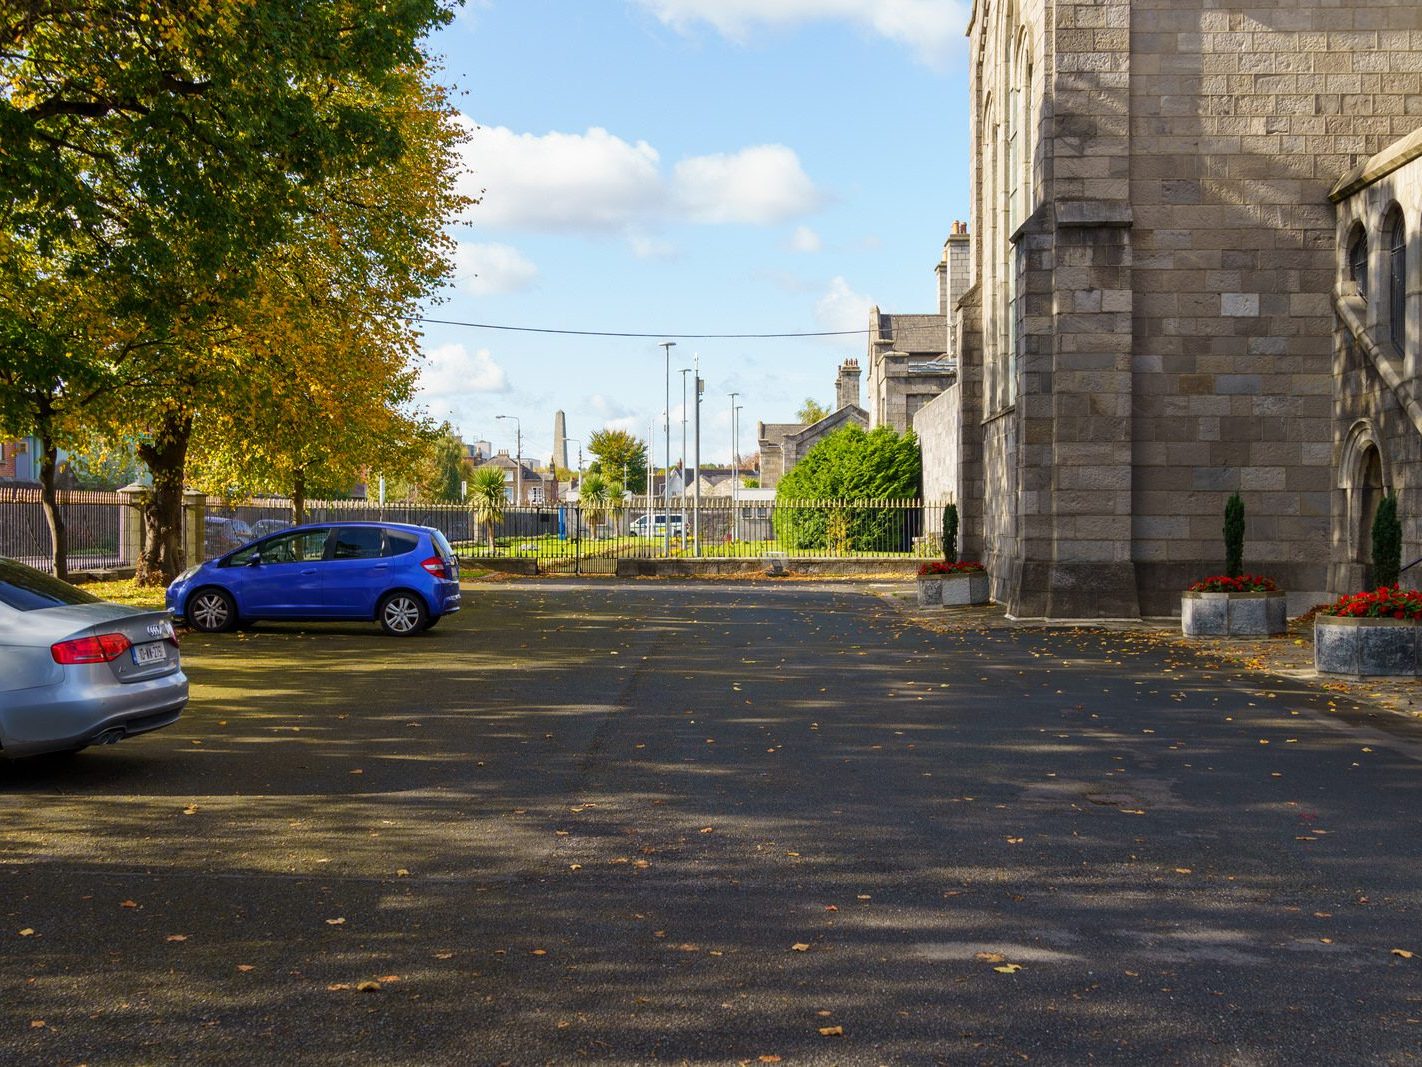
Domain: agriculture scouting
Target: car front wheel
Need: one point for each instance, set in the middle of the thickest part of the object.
(402, 614)
(211, 611)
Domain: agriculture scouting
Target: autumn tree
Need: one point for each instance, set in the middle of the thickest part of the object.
(812, 411)
(155, 154)
(618, 451)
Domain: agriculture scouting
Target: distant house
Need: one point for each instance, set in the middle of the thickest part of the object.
(539, 486)
(783, 444)
(20, 463)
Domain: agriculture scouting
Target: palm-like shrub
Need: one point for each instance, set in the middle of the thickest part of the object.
(487, 499)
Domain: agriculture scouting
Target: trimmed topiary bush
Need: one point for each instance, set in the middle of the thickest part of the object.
(950, 533)
(1234, 537)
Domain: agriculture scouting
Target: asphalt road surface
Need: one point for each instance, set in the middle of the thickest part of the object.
(718, 824)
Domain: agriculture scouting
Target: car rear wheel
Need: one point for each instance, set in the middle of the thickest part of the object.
(211, 611)
(403, 614)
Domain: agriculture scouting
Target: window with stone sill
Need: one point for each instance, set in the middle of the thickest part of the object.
(1395, 242)
(1358, 261)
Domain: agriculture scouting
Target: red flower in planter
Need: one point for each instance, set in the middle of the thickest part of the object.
(1245, 583)
(1390, 602)
(939, 567)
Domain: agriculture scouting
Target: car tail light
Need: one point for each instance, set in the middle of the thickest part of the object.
(435, 566)
(100, 649)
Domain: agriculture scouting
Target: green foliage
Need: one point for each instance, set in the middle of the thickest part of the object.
(616, 451)
(812, 411)
(850, 464)
(488, 499)
(950, 533)
(446, 468)
(97, 463)
(1387, 543)
(1234, 536)
(594, 498)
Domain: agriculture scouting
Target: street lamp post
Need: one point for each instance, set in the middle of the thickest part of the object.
(734, 409)
(666, 481)
(684, 372)
(696, 464)
(518, 459)
(736, 461)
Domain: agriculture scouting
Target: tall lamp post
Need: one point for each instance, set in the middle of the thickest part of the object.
(518, 459)
(666, 481)
(736, 459)
(734, 494)
(578, 514)
(696, 464)
(684, 372)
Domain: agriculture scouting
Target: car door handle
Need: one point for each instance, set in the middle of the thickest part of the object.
(309, 570)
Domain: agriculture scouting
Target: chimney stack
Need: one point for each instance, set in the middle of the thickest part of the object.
(846, 386)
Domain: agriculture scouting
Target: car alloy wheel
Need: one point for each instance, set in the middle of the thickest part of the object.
(402, 614)
(212, 611)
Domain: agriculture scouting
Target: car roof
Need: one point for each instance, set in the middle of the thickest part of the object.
(362, 522)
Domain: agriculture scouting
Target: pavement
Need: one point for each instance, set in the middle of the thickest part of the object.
(715, 823)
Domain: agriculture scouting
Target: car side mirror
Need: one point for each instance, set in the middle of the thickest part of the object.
(256, 560)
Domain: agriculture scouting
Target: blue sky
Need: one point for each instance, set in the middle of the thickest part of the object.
(689, 167)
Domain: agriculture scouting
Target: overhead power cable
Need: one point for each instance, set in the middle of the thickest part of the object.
(616, 333)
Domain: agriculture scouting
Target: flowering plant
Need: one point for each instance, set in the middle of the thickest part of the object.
(938, 566)
(1245, 583)
(1389, 602)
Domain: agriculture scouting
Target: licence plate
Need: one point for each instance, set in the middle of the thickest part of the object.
(149, 653)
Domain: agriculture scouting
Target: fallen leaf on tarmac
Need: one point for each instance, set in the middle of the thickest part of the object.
(444, 955)
(641, 863)
(244, 967)
(390, 978)
(770, 1059)
(191, 809)
(575, 866)
(799, 946)
(334, 986)
(176, 937)
(1403, 953)
(335, 922)
(708, 829)
(368, 986)
(27, 932)
(1183, 870)
(402, 873)
(129, 904)
(831, 907)
(1014, 840)
(36, 1024)
(540, 952)
(1008, 968)
(832, 1031)
(990, 957)
(824, 1014)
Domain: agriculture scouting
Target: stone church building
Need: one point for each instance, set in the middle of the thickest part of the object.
(1195, 267)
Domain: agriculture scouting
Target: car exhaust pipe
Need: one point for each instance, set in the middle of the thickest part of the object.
(111, 737)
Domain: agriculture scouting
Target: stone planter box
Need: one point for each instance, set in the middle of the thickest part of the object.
(1360, 647)
(953, 590)
(1233, 614)
(969, 588)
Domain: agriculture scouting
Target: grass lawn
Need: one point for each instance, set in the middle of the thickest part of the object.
(127, 591)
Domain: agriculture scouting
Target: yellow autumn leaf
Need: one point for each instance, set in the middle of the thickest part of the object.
(832, 1031)
(1403, 953)
(1008, 968)
(799, 946)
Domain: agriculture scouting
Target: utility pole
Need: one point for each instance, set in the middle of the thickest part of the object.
(736, 434)
(684, 372)
(696, 469)
(666, 482)
(734, 464)
(518, 460)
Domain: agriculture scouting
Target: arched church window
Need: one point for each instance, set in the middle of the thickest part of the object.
(1358, 261)
(1395, 241)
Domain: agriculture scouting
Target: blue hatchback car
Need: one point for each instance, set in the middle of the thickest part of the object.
(404, 577)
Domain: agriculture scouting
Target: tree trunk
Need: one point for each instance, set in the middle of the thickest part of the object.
(166, 456)
(298, 496)
(49, 498)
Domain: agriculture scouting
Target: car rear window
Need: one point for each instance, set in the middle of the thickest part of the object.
(358, 542)
(441, 544)
(26, 589)
(400, 542)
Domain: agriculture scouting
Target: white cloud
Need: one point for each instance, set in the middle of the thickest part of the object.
(764, 184)
(452, 370)
(489, 269)
(597, 182)
(805, 239)
(841, 308)
(628, 423)
(931, 29)
(609, 408)
(651, 247)
(560, 181)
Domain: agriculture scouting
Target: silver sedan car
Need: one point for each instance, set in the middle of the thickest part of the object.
(77, 671)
